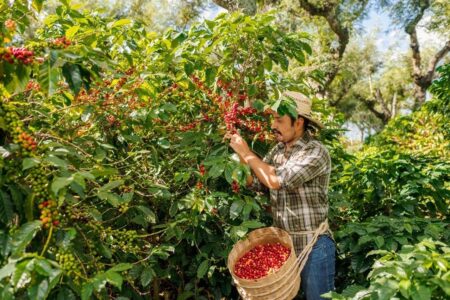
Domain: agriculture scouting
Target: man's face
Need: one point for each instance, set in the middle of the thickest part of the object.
(285, 131)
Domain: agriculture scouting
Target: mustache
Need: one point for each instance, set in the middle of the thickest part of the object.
(276, 131)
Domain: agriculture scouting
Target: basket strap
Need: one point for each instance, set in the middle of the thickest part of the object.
(303, 256)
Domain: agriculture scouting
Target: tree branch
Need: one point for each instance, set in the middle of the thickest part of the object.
(383, 115)
(434, 61)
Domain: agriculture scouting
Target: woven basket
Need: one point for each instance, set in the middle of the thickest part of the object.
(284, 284)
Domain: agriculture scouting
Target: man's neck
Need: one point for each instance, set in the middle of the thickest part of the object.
(289, 144)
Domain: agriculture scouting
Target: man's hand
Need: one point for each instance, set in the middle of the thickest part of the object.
(239, 145)
(265, 172)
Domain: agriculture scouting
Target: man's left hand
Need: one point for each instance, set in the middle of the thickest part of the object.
(238, 144)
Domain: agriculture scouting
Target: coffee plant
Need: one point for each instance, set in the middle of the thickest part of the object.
(115, 179)
(419, 271)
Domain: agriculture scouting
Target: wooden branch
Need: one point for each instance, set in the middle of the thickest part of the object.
(370, 104)
(434, 61)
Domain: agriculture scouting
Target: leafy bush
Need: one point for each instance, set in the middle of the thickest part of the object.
(420, 271)
(357, 239)
(389, 182)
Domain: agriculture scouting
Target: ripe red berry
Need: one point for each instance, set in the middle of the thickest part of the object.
(199, 185)
(202, 170)
(235, 186)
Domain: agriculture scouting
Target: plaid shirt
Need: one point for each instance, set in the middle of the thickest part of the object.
(301, 203)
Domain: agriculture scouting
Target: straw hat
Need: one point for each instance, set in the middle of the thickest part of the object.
(303, 106)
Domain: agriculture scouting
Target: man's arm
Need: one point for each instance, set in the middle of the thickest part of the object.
(263, 171)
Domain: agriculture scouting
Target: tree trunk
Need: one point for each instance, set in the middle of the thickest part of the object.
(422, 78)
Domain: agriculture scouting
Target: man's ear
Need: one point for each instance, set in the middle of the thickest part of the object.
(299, 122)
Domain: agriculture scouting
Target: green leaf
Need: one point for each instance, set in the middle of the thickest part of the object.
(377, 252)
(86, 291)
(364, 239)
(164, 143)
(202, 269)
(30, 162)
(188, 68)
(119, 23)
(111, 185)
(7, 270)
(404, 287)
(21, 274)
(420, 292)
(268, 64)
(121, 267)
(408, 228)
(379, 240)
(185, 295)
(72, 74)
(69, 234)
(70, 33)
(37, 4)
(252, 224)
(56, 161)
(210, 74)
(29, 207)
(49, 74)
(6, 207)
(286, 106)
(87, 113)
(236, 208)
(252, 90)
(149, 215)
(215, 171)
(23, 237)
(38, 291)
(238, 231)
(43, 267)
(65, 293)
(112, 198)
(59, 183)
(147, 275)
(114, 278)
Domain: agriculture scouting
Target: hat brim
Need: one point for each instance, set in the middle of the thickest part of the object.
(313, 121)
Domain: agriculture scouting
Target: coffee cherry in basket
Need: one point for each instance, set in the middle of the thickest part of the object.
(261, 260)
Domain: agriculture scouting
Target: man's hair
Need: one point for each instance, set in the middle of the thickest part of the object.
(306, 122)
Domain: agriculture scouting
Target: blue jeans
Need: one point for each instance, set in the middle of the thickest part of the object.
(318, 273)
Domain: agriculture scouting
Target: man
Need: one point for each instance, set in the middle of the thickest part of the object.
(296, 172)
